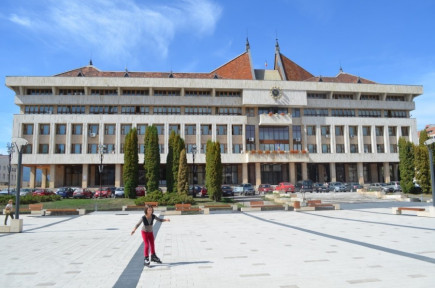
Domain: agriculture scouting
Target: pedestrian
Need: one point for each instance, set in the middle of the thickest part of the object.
(147, 233)
(8, 211)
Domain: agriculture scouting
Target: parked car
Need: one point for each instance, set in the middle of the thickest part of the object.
(140, 191)
(304, 186)
(203, 191)
(244, 189)
(5, 191)
(381, 187)
(103, 193)
(43, 192)
(285, 187)
(395, 185)
(227, 190)
(264, 188)
(65, 192)
(25, 191)
(353, 186)
(320, 188)
(82, 193)
(337, 187)
(119, 192)
(196, 190)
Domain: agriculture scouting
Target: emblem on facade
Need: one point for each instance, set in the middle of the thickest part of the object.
(276, 93)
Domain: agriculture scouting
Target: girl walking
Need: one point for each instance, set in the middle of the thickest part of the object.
(147, 233)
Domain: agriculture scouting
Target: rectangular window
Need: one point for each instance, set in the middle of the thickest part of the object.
(339, 130)
(250, 137)
(339, 148)
(44, 129)
(367, 148)
(223, 148)
(392, 131)
(250, 112)
(167, 110)
(141, 129)
(297, 136)
(109, 129)
(205, 129)
(326, 148)
(221, 129)
(380, 148)
(160, 129)
(405, 131)
(77, 129)
(353, 148)
(28, 129)
(43, 149)
(296, 112)
(237, 130)
(312, 148)
(161, 148)
(59, 149)
(197, 110)
(141, 148)
(175, 128)
(324, 130)
(93, 129)
(92, 148)
(379, 130)
(27, 149)
(353, 131)
(190, 129)
(190, 148)
(311, 130)
(393, 148)
(229, 111)
(201, 93)
(366, 130)
(110, 148)
(237, 148)
(125, 128)
(60, 129)
(76, 148)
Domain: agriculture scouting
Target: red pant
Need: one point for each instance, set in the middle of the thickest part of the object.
(148, 239)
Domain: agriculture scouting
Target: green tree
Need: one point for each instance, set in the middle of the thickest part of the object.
(406, 164)
(130, 169)
(177, 147)
(421, 162)
(152, 159)
(169, 163)
(183, 174)
(213, 174)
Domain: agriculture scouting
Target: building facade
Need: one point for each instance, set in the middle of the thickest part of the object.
(4, 172)
(273, 125)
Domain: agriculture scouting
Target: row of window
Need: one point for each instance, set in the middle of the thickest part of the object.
(133, 92)
(353, 148)
(352, 97)
(76, 148)
(266, 133)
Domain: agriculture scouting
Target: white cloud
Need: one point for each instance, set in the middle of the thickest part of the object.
(23, 21)
(120, 27)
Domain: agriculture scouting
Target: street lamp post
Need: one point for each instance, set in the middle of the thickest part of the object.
(193, 170)
(10, 147)
(430, 145)
(101, 167)
(20, 144)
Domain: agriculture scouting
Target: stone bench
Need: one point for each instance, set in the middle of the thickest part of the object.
(36, 208)
(398, 210)
(261, 206)
(60, 212)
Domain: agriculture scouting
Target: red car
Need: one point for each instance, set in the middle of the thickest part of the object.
(265, 188)
(42, 192)
(140, 191)
(82, 193)
(285, 187)
(104, 193)
(203, 191)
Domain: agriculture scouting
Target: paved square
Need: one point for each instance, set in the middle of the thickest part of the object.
(364, 245)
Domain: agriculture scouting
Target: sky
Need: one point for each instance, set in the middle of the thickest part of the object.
(388, 41)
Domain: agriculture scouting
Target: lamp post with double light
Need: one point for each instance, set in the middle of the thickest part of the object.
(10, 148)
(20, 144)
(430, 143)
(101, 148)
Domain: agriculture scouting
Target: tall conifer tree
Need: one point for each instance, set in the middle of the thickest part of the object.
(130, 169)
(183, 174)
(152, 159)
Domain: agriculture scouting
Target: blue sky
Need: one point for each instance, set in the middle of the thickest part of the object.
(389, 41)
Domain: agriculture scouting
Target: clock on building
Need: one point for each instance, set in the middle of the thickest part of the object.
(276, 93)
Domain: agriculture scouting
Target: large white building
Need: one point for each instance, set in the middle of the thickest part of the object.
(280, 124)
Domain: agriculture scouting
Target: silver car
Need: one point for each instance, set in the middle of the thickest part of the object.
(244, 189)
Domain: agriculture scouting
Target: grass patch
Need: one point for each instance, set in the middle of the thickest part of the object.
(109, 204)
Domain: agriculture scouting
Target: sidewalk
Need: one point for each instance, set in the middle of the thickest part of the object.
(357, 247)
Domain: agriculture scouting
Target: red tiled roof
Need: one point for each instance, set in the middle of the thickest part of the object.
(238, 68)
(341, 77)
(293, 72)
